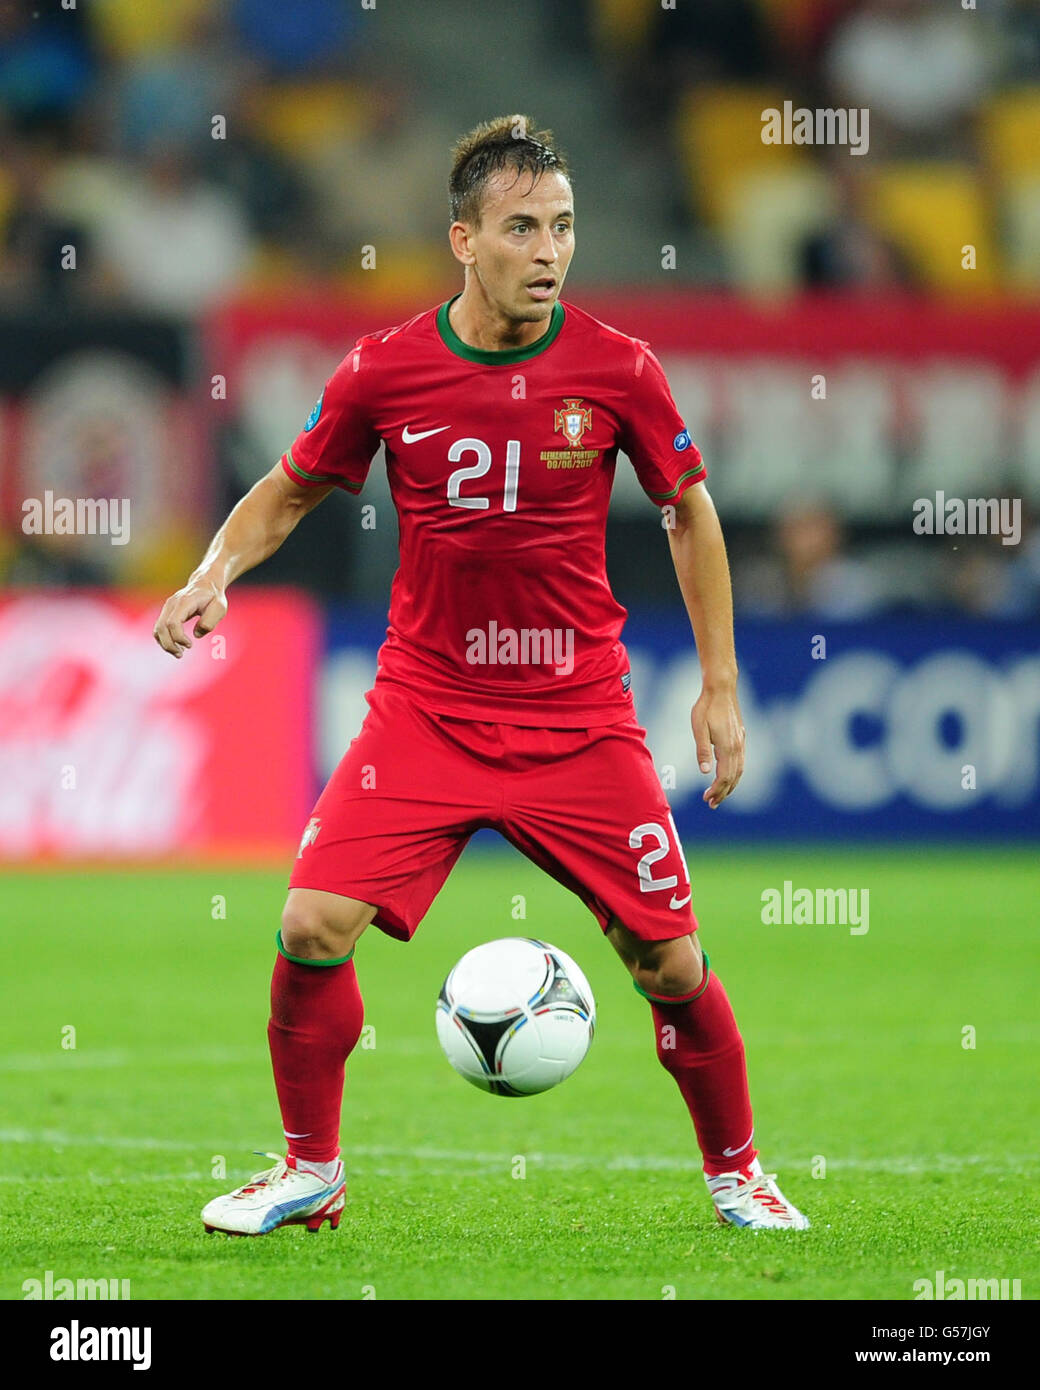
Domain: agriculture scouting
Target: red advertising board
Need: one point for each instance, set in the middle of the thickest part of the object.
(863, 402)
(105, 406)
(903, 327)
(112, 749)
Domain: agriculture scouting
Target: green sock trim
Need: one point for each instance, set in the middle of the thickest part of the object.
(664, 999)
(300, 960)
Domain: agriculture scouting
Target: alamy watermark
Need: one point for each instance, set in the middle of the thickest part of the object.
(821, 126)
(526, 646)
(822, 907)
(77, 516)
(78, 1342)
(50, 1287)
(972, 516)
(954, 1289)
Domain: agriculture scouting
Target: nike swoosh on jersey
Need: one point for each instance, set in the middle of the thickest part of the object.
(673, 904)
(407, 437)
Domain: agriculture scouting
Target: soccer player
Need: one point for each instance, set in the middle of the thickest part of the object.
(502, 696)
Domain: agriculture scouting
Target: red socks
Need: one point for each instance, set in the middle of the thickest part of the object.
(316, 1018)
(699, 1043)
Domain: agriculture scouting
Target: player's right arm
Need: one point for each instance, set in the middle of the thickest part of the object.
(334, 449)
(254, 530)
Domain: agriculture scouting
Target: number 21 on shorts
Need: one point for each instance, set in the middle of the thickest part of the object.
(652, 830)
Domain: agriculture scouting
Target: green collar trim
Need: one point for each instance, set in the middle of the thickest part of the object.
(501, 358)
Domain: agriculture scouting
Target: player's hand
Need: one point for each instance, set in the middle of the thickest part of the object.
(717, 724)
(201, 599)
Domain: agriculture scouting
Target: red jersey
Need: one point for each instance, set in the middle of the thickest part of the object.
(500, 465)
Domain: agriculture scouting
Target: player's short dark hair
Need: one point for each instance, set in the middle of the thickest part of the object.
(503, 143)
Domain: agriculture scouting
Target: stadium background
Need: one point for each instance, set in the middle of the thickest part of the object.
(245, 187)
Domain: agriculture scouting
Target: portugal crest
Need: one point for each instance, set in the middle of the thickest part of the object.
(572, 421)
(310, 834)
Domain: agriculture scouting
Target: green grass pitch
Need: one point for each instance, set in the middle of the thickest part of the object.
(856, 1055)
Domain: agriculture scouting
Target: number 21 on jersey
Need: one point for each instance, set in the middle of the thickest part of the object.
(458, 450)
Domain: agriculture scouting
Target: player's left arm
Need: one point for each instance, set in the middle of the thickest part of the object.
(699, 556)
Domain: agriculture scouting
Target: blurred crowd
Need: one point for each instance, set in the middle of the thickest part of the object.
(953, 94)
(188, 147)
(806, 564)
(193, 148)
(185, 149)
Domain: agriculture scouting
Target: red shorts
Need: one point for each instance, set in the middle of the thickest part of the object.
(586, 805)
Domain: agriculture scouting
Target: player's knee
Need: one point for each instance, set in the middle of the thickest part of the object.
(303, 929)
(670, 967)
(315, 928)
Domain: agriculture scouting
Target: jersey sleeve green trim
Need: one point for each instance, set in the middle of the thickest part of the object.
(302, 472)
(348, 483)
(683, 477)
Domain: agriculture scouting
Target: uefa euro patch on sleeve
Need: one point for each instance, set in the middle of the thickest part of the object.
(315, 415)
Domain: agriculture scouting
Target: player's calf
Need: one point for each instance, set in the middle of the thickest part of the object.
(698, 1043)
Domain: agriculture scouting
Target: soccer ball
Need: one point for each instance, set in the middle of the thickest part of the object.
(515, 1016)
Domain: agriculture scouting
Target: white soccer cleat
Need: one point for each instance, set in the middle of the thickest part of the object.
(280, 1196)
(751, 1198)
